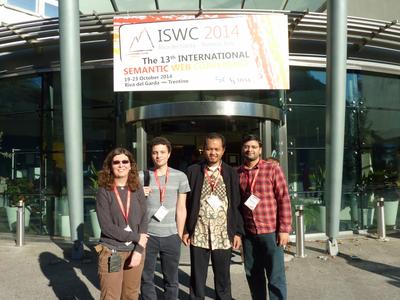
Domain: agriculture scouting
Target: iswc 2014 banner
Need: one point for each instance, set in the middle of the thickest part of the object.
(210, 52)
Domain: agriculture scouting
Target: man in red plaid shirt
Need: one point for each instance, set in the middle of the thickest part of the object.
(267, 220)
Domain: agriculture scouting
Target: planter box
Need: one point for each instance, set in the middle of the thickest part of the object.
(391, 208)
(367, 216)
(95, 223)
(11, 212)
(62, 226)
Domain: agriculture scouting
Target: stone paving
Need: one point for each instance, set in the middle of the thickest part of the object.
(366, 268)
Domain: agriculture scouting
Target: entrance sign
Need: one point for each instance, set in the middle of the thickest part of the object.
(210, 52)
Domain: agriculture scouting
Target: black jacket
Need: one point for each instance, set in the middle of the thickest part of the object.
(195, 174)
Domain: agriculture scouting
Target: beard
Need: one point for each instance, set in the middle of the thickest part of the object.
(251, 158)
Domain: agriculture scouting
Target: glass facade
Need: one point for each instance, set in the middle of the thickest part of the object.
(45, 8)
(30, 5)
(50, 10)
(32, 147)
(371, 165)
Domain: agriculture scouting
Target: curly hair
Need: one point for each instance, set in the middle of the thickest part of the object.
(106, 175)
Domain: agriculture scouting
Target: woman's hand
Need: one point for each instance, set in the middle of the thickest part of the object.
(146, 190)
(143, 239)
(135, 259)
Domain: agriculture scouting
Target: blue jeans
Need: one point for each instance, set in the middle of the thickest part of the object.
(169, 249)
(262, 256)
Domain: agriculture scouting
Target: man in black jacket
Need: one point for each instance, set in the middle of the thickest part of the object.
(214, 224)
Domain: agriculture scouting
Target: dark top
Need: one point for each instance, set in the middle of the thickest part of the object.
(112, 222)
(195, 174)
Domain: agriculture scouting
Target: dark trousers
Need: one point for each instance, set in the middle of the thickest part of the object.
(220, 259)
(169, 249)
(263, 256)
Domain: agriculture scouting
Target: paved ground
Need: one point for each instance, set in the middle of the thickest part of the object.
(366, 268)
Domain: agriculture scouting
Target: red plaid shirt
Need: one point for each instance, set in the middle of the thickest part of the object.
(273, 212)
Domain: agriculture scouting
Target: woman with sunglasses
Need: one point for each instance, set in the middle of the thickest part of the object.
(121, 210)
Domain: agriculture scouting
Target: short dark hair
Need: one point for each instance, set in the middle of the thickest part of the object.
(251, 137)
(159, 140)
(213, 136)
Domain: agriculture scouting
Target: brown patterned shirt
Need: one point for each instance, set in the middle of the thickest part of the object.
(211, 227)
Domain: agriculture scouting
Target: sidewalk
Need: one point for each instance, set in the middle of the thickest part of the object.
(366, 268)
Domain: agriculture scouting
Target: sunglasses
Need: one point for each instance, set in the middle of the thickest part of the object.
(117, 162)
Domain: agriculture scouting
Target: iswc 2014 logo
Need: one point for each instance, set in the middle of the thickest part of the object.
(139, 44)
(141, 39)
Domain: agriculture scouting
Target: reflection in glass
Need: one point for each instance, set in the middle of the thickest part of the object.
(25, 4)
(50, 10)
(187, 137)
(146, 98)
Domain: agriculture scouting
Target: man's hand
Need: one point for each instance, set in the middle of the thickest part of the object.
(135, 259)
(186, 239)
(283, 239)
(146, 190)
(143, 240)
(237, 242)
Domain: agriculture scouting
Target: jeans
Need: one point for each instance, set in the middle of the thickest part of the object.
(263, 256)
(169, 249)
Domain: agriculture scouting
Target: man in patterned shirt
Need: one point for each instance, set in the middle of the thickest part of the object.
(214, 224)
(267, 221)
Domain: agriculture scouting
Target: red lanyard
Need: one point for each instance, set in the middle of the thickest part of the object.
(125, 214)
(212, 184)
(164, 188)
(253, 182)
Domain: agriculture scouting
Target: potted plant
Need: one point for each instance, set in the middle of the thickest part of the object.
(390, 193)
(384, 184)
(365, 189)
(18, 189)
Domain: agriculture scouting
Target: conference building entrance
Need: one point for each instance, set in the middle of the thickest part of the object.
(186, 124)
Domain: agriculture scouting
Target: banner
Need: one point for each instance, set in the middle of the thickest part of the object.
(210, 52)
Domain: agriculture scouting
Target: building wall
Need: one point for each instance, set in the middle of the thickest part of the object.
(372, 140)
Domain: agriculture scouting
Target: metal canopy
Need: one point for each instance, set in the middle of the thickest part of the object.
(367, 38)
(103, 6)
(205, 108)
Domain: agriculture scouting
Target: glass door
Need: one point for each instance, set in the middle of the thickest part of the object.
(187, 138)
(186, 125)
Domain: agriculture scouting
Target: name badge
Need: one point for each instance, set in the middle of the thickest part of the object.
(252, 202)
(128, 228)
(161, 213)
(214, 202)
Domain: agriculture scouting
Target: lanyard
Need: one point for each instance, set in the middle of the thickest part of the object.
(164, 188)
(125, 214)
(253, 182)
(212, 184)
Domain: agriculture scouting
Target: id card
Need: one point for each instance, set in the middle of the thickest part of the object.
(128, 228)
(161, 213)
(214, 202)
(114, 263)
(252, 202)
